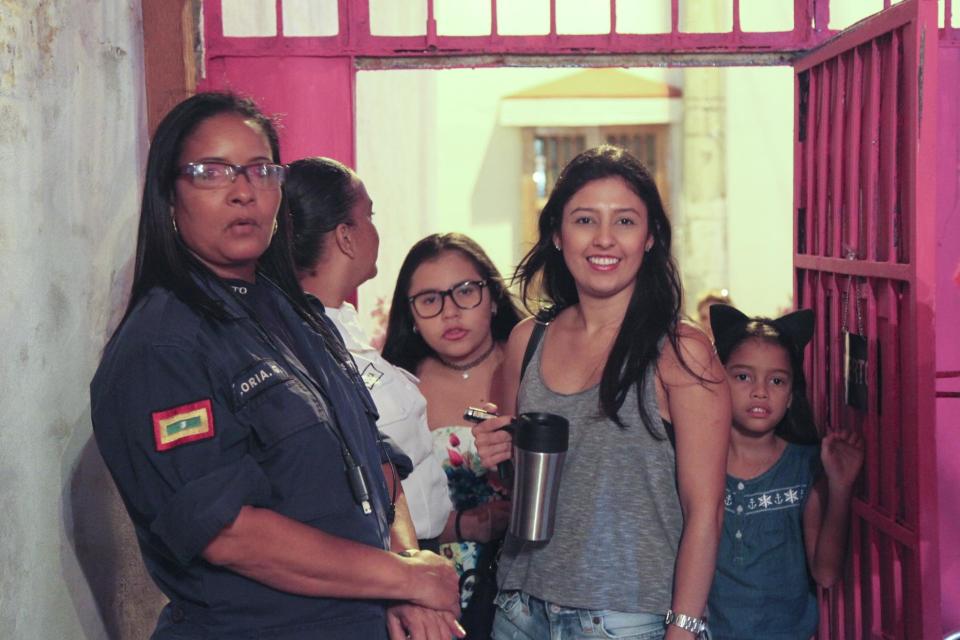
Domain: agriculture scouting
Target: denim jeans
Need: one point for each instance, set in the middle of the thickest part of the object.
(520, 616)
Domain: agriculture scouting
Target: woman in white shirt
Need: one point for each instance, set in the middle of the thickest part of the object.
(335, 251)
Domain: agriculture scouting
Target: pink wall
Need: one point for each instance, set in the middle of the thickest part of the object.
(948, 331)
(314, 98)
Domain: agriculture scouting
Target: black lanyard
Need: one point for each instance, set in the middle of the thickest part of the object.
(355, 471)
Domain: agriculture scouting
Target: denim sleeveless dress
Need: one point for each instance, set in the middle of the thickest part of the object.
(762, 588)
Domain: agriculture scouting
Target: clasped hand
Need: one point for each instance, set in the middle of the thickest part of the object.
(434, 603)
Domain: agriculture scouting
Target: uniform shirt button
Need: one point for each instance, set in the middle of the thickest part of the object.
(554, 608)
(738, 534)
(739, 508)
(176, 614)
(740, 486)
(596, 620)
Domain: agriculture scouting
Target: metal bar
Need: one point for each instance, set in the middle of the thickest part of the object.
(822, 340)
(494, 20)
(765, 44)
(278, 7)
(870, 145)
(431, 25)
(355, 20)
(905, 558)
(861, 268)
(809, 162)
(852, 603)
(873, 441)
(579, 59)
(821, 16)
(889, 153)
(855, 151)
(891, 418)
(880, 521)
(865, 583)
(889, 602)
(835, 391)
(838, 154)
(821, 162)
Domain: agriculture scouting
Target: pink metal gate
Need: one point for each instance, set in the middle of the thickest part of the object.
(864, 125)
(864, 232)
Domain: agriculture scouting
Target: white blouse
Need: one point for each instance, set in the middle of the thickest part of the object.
(403, 417)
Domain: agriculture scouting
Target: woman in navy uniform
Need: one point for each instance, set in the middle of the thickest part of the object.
(234, 423)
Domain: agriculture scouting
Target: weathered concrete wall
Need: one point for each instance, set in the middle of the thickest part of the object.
(72, 148)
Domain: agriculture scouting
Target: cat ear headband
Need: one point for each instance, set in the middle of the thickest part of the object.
(797, 326)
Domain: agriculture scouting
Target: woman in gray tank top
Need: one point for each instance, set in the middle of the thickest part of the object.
(640, 501)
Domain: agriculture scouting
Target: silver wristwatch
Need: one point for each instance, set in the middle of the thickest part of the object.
(685, 622)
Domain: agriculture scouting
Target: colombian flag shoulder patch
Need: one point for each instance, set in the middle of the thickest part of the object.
(183, 424)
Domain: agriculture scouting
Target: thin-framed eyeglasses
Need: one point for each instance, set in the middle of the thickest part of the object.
(264, 176)
(466, 295)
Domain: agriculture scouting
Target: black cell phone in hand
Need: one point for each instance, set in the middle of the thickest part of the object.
(505, 468)
(476, 414)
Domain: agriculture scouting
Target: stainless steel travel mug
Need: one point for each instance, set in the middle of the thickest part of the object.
(539, 448)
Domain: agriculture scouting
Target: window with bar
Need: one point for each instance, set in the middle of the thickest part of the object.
(548, 150)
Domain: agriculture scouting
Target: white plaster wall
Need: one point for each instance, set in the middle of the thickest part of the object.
(760, 188)
(72, 141)
(435, 159)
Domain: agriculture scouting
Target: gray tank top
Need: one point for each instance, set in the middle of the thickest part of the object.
(618, 518)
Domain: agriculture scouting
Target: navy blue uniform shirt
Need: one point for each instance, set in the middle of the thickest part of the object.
(197, 417)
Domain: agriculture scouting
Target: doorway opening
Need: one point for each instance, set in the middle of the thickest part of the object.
(477, 151)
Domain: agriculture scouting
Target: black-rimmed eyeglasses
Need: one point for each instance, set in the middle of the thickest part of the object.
(215, 175)
(466, 295)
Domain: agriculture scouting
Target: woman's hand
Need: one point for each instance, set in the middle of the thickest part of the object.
(408, 621)
(841, 453)
(486, 522)
(494, 443)
(433, 582)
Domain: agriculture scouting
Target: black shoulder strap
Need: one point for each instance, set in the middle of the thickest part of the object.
(539, 328)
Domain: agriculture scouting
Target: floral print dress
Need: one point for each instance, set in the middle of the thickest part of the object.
(469, 487)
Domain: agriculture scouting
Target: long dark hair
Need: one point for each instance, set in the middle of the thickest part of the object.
(405, 347)
(797, 425)
(162, 259)
(320, 193)
(654, 308)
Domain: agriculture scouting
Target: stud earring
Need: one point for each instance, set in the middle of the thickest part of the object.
(275, 226)
(556, 245)
(174, 221)
(415, 329)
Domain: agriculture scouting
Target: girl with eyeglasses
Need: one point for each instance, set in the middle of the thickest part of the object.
(232, 418)
(449, 319)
